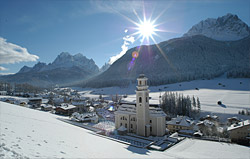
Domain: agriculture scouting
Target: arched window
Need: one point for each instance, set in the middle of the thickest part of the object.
(140, 100)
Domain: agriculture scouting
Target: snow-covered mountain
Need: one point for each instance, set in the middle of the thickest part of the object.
(226, 28)
(65, 69)
(180, 59)
(64, 60)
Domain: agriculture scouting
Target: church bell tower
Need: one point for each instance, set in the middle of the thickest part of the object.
(142, 106)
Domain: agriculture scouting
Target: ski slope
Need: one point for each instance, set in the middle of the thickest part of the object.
(28, 133)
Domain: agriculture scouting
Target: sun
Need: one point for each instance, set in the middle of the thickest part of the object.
(146, 29)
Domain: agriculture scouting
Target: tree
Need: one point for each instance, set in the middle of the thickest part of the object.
(176, 104)
(194, 102)
(243, 112)
(198, 105)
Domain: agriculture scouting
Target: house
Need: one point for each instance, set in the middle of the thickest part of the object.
(232, 120)
(65, 109)
(180, 123)
(10, 100)
(35, 102)
(240, 132)
(22, 103)
(85, 117)
(212, 118)
(207, 127)
(46, 107)
(3, 93)
(141, 118)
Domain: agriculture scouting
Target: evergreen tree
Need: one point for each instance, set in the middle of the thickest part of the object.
(198, 105)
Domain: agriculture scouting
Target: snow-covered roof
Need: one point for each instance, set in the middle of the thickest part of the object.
(131, 109)
(156, 112)
(214, 117)
(126, 109)
(46, 105)
(67, 106)
(206, 123)
(238, 125)
(181, 121)
(234, 118)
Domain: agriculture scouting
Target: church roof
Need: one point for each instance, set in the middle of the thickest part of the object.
(141, 76)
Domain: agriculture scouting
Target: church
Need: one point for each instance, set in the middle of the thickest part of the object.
(141, 118)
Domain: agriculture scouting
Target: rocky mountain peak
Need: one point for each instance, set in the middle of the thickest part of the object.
(226, 28)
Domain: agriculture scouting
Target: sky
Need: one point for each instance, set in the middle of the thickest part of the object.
(33, 31)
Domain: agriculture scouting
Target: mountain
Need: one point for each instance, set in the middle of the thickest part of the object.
(65, 69)
(180, 59)
(104, 67)
(226, 28)
(209, 49)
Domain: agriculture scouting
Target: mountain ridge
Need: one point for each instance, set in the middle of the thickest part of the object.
(225, 28)
(65, 69)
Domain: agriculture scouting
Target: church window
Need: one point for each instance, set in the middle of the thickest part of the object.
(140, 100)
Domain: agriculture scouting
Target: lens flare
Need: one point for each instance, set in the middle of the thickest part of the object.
(135, 54)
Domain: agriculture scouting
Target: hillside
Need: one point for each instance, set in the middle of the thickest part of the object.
(28, 133)
(180, 59)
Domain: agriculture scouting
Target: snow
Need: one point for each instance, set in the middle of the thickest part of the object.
(235, 96)
(225, 28)
(36, 134)
(207, 149)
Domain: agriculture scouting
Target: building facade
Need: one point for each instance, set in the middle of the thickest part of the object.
(141, 118)
(240, 132)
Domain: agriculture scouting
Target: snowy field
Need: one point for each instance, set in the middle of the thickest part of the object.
(234, 94)
(35, 134)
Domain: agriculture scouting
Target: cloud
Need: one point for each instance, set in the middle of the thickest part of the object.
(116, 6)
(12, 53)
(3, 68)
(2, 74)
(127, 40)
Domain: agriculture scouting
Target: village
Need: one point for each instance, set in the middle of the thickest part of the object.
(139, 124)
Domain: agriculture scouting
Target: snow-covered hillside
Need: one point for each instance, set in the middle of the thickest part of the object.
(234, 94)
(35, 134)
(226, 28)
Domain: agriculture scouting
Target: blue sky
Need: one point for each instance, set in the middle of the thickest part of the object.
(42, 29)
